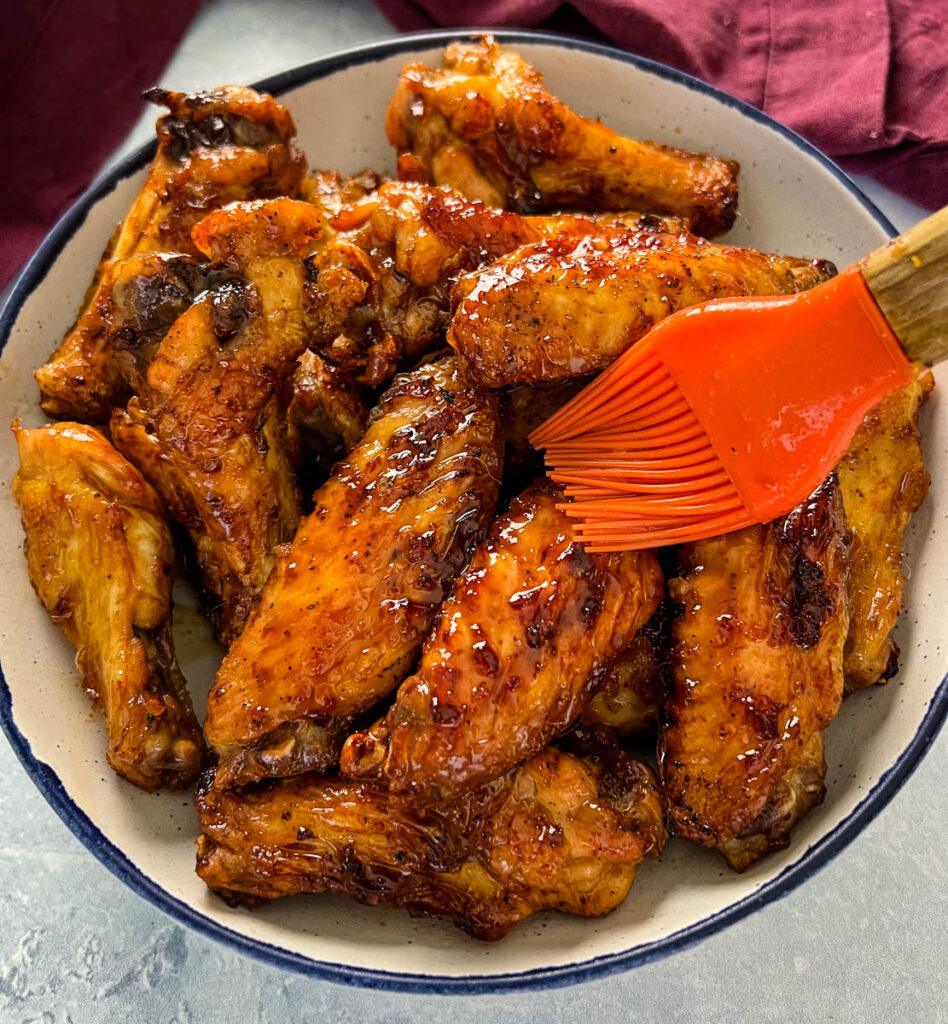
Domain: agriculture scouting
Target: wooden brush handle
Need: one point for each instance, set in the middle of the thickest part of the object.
(909, 280)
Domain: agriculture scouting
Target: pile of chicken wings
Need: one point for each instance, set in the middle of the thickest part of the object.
(318, 390)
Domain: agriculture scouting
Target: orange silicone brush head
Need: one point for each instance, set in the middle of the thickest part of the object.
(725, 414)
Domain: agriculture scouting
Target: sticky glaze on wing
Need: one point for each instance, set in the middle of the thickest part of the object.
(207, 430)
(757, 675)
(214, 148)
(631, 697)
(486, 125)
(350, 601)
(380, 289)
(523, 641)
(883, 481)
(560, 832)
(563, 308)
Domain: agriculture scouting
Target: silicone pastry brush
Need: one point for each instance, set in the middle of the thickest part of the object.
(733, 411)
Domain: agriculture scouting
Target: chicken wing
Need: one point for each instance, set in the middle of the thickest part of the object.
(350, 602)
(486, 125)
(100, 559)
(757, 676)
(213, 148)
(207, 430)
(563, 308)
(228, 145)
(559, 832)
(883, 481)
(325, 411)
(525, 408)
(381, 287)
(526, 637)
(630, 699)
(331, 192)
(103, 360)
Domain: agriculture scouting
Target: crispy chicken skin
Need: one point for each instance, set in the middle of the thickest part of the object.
(100, 559)
(350, 601)
(523, 641)
(630, 699)
(228, 145)
(207, 430)
(331, 192)
(526, 406)
(757, 675)
(486, 125)
(557, 225)
(102, 361)
(883, 481)
(559, 832)
(564, 308)
(381, 287)
(213, 148)
(325, 410)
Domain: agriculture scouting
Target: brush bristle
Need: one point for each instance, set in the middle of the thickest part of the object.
(638, 466)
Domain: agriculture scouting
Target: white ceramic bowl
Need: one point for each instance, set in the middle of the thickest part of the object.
(792, 200)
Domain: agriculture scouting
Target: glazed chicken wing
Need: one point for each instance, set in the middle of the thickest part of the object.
(883, 481)
(559, 832)
(486, 125)
(631, 697)
(526, 406)
(228, 145)
(757, 676)
(350, 601)
(527, 635)
(103, 360)
(325, 413)
(331, 192)
(213, 148)
(563, 308)
(100, 559)
(207, 430)
(381, 287)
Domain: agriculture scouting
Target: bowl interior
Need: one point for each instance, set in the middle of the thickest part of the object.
(790, 202)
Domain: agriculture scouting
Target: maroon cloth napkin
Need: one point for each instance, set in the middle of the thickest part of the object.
(71, 76)
(864, 80)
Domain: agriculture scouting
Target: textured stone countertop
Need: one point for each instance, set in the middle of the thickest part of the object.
(863, 941)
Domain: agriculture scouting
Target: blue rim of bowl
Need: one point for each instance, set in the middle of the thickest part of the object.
(50, 785)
